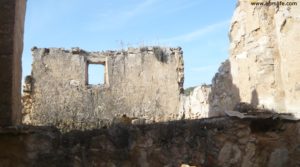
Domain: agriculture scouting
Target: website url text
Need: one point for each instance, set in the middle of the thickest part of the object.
(278, 3)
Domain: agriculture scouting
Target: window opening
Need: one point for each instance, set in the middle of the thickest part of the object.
(96, 74)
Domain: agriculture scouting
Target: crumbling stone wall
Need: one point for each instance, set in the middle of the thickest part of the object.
(209, 143)
(211, 100)
(263, 69)
(196, 104)
(264, 55)
(224, 94)
(223, 141)
(141, 83)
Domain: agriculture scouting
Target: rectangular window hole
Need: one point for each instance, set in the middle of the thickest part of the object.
(96, 74)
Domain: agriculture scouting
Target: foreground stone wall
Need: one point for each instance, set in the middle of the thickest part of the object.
(207, 143)
(12, 15)
(141, 83)
(264, 56)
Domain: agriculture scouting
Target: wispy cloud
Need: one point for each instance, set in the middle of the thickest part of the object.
(112, 19)
(197, 33)
(179, 5)
(204, 68)
(139, 8)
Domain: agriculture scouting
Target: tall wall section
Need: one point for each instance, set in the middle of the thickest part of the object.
(265, 55)
(12, 16)
(141, 83)
(262, 70)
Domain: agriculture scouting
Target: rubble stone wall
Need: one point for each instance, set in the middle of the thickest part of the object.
(203, 143)
(141, 83)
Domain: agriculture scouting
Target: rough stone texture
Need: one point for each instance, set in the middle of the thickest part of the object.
(224, 94)
(264, 56)
(12, 14)
(195, 105)
(263, 68)
(251, 142)
(27, 100)
(211, 100)
(206, 143)
(141, 83)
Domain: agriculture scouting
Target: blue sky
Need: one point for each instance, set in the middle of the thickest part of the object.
(200, 27)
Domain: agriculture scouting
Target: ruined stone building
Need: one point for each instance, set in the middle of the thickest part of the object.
(151, 123)
(140, 83)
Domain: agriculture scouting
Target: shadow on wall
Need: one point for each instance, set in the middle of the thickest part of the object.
(254, 98)
(193, 142)
(224, 94)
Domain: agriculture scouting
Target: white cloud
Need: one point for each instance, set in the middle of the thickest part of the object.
(197, 33)
(112, 19)
(204, 68)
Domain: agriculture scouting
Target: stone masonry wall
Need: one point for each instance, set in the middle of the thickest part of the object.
(251, 142)
(219, 142)
(196, 104)
(264, 55)
(263, 68)
(141, 85)
(12, 16)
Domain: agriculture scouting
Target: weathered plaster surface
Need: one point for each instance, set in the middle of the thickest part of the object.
(141, 83)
